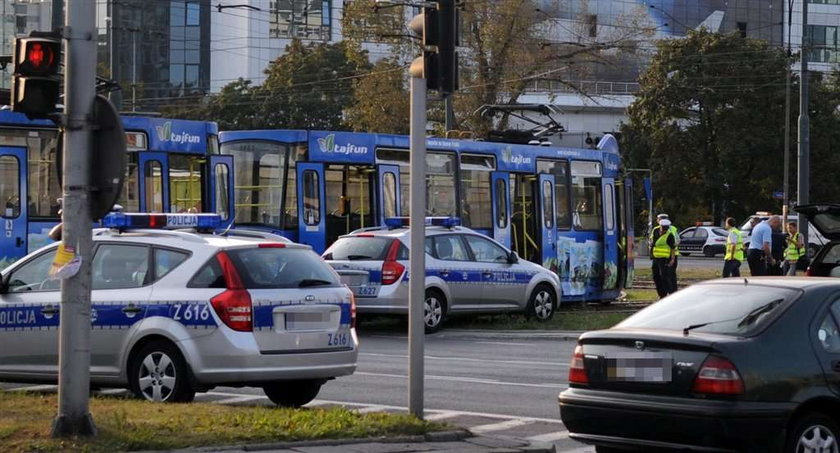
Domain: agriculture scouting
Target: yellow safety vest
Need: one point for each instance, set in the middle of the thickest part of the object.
(676, 234)
(661, 249)
(738, 253)
(793, 252)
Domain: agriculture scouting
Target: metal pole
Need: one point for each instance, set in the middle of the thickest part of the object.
(134, 70)
(449, 120)
(57, 13)
(417, 258)
(786, 179)
(74, 330)
(803, 185)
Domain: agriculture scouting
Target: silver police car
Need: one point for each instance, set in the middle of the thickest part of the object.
(466, 272)
(176, 312)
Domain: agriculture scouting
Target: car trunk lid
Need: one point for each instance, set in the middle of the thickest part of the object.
(824, 217)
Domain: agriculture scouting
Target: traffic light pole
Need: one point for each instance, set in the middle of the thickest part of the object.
(417, 257)
(803, 183)
(74, 330)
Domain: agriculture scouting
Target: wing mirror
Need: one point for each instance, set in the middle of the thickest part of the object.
(4, 284)
(513, 258)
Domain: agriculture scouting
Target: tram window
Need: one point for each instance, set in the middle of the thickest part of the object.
(389, 194)
(311, 198)
(154, 186)
(185, 183)
(548, 210)
(259, 169)
(10, 186)
(501, 205)
(610, 211)
(42, 190)
(440, 183)
(221, 195)
(587, 199)
(290, 215)
(212, 144)
(561, 189)
(475, 190)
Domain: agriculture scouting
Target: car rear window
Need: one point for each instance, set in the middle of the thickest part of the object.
(738, 310)
(358, 248)
(720, 232)
(274, 267)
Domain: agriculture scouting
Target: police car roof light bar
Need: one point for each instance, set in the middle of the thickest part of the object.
(122, 221)
(403, 222)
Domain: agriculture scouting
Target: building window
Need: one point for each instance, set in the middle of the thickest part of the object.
(306, 19)
(742, 29)
(824, 44)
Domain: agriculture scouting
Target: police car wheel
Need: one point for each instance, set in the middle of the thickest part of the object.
(158, 373)
(434, 311)
(292, 393)
(541, 305)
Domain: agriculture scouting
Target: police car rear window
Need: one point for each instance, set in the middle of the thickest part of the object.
(358, 248)
(265, 268)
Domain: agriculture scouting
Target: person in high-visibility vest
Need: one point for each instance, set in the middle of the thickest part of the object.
(734, 253)
(795, 249)
(663, 250)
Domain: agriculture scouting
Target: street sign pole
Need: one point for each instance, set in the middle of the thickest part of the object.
(417, 257)
(804, 172)
(74, 330)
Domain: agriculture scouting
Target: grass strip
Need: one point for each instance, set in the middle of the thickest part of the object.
(126, 424)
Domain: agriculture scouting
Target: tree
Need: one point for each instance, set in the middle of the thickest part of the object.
(709, 114)
(380, 101)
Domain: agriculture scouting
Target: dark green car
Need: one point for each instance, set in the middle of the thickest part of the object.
(739, 364)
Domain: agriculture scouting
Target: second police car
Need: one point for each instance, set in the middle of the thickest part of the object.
(466, 272)
(176, 312)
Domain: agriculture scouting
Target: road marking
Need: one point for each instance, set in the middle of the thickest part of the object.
(468, 380)
(375, 408)
(587, 449)
(239, 399)
(113, 392)
(500, 426)
(471, 359)
(505, 343)
(440, 416)
(549, 437)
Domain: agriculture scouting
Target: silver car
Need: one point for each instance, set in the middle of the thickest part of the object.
(177, 312)
(466, 272)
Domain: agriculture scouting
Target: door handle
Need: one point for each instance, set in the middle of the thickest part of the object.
(487, 274)
(49, 310)
(133, 309)
(444, 273)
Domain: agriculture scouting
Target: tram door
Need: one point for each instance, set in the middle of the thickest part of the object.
(388, 203)
(14, 212)
(500, 182)
(311, 206)
(627, 232)
(547, 222)
(220, 171)
(611, 237)
(524, 210)
(154, 182)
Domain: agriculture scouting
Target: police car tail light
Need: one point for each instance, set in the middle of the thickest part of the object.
(577, 370)
(352, 310)
(234, 305)
(391, 269)
(718, 376)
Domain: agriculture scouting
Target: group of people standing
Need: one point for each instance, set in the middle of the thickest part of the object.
(770, 252)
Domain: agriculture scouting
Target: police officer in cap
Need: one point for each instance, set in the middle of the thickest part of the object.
(676, 234)
(663, 251)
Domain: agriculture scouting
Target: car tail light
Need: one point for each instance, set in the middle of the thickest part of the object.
(718, 376)
(391, 269)
(577, 371)
(352, 310)
(233, 305)
(809, 272)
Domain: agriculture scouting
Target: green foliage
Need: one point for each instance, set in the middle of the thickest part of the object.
(709, 120)
(380, 100)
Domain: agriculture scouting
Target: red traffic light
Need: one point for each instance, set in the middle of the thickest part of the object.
(37, 56)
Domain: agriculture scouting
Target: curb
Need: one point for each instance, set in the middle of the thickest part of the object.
(439, 436)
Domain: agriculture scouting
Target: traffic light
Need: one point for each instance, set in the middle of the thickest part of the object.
(438, 27)
(36, 83)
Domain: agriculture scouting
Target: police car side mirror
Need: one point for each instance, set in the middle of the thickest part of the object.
(513, 258)
(4, 283)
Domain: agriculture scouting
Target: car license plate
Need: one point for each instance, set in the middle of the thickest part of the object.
(354, 279)
(307, 320)
(654, 367)
(365, 291)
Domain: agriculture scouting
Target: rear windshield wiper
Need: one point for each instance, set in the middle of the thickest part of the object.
(313, 282)
(697, 326)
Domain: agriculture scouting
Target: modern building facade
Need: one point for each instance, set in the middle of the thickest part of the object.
(824, 30)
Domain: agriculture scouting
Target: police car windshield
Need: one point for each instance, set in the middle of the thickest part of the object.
(265, 268)
(358, 248)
